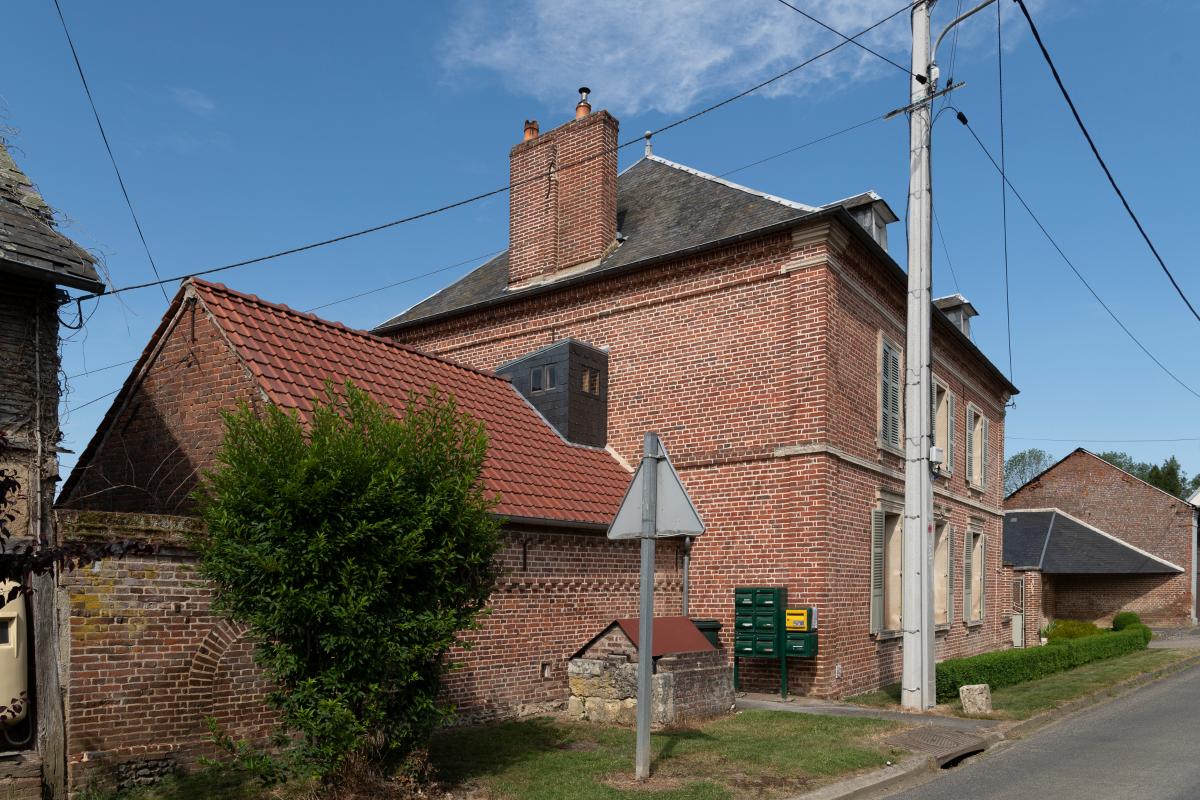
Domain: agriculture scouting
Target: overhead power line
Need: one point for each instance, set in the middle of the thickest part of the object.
(1096, 152)
(112, 158)
(406, 280)
(101, 369)
(963, 119)
(800, 147)
(499, 190)
(1100, 441)
(93, 400)
(849, 40)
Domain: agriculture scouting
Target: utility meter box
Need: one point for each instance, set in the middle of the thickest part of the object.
(800, 620)
(14, 656)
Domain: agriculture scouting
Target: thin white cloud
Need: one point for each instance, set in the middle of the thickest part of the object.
(668, 54)
(194, 100)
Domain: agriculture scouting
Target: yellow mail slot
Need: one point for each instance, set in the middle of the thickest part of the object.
(799, 619)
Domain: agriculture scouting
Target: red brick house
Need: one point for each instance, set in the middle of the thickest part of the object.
(1160, 586)
(763, 339)
(148, 660)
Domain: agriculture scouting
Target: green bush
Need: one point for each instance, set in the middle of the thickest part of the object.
(1010, 667)
(1071, 629)
(1147, 634)
(355, 545)
(1124, 619)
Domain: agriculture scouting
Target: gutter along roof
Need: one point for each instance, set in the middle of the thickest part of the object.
(665, 212)
(539, 476)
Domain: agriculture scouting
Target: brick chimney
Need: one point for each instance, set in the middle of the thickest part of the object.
(563, 201)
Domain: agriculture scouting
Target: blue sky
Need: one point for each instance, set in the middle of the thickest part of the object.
(244, 128)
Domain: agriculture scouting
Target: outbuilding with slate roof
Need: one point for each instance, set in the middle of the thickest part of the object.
(1104, 541)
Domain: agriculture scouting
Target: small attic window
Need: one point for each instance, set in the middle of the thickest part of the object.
(590, 381)
(543, 378)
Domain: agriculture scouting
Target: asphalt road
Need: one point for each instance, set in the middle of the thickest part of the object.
(1142, 746)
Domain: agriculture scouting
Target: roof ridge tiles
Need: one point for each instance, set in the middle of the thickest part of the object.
(321, 321)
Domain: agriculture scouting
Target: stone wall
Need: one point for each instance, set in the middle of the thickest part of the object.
(685, 687)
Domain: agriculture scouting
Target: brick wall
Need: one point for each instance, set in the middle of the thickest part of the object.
(149, 660)
(168, 429)
(1089, 488)
(756, 363)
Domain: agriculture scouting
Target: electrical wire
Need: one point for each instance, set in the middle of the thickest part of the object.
(860, 45)
(93, 400)
(938, 224)
(1003, 188)
(112, 158)
(1102, 441)
(799, 147)
(407, 280)
(101, 369)
(963, 119)
(1096, 152)
(502, 189)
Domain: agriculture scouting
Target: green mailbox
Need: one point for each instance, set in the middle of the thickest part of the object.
(761, 630)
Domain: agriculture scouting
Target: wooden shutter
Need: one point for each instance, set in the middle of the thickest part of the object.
(895, 433)
(889, 396)
(933, 387)
(968, 551)
(983, 570)
(878, 521)
(970, 445)
(983, 461)
(950, 420)
(949, 574)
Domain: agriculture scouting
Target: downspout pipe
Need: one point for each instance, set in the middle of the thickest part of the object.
(687, 563)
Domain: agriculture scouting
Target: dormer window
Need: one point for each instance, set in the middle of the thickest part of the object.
(543, 378)
(590, 381)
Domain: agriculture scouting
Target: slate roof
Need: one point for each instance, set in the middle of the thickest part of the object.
(662, 208)
(1059, 544)
(537, 473)
(29, 244)
(666, 211)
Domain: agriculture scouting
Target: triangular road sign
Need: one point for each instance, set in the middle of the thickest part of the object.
(676, 515)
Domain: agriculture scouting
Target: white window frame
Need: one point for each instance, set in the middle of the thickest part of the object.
(887, 548)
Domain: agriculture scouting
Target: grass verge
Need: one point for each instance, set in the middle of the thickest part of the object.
(751, 754)
(1024, 700)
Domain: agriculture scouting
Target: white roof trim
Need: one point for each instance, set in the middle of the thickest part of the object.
(1106, 535)
(780, 200)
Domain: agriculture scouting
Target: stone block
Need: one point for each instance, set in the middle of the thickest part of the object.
(976, 699)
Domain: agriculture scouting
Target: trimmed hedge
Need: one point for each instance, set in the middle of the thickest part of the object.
(1125, 619)
(1010, 667)
(1071, 629)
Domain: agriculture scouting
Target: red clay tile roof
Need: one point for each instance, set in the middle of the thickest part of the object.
(671, 635)
(537, 474)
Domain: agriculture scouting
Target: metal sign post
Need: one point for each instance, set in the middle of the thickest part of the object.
(655, 506)
(650, 453)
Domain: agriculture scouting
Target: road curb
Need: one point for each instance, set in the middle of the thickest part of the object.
(916, 769)
(1097, 698)
(897, 776)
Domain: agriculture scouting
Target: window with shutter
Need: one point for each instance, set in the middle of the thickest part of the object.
(982, 570)
(949, 574)
(948, 467)
(889, 395)
(967, 583)
(878, 521)
(970, 445)
(941, 573)
(984, 470)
